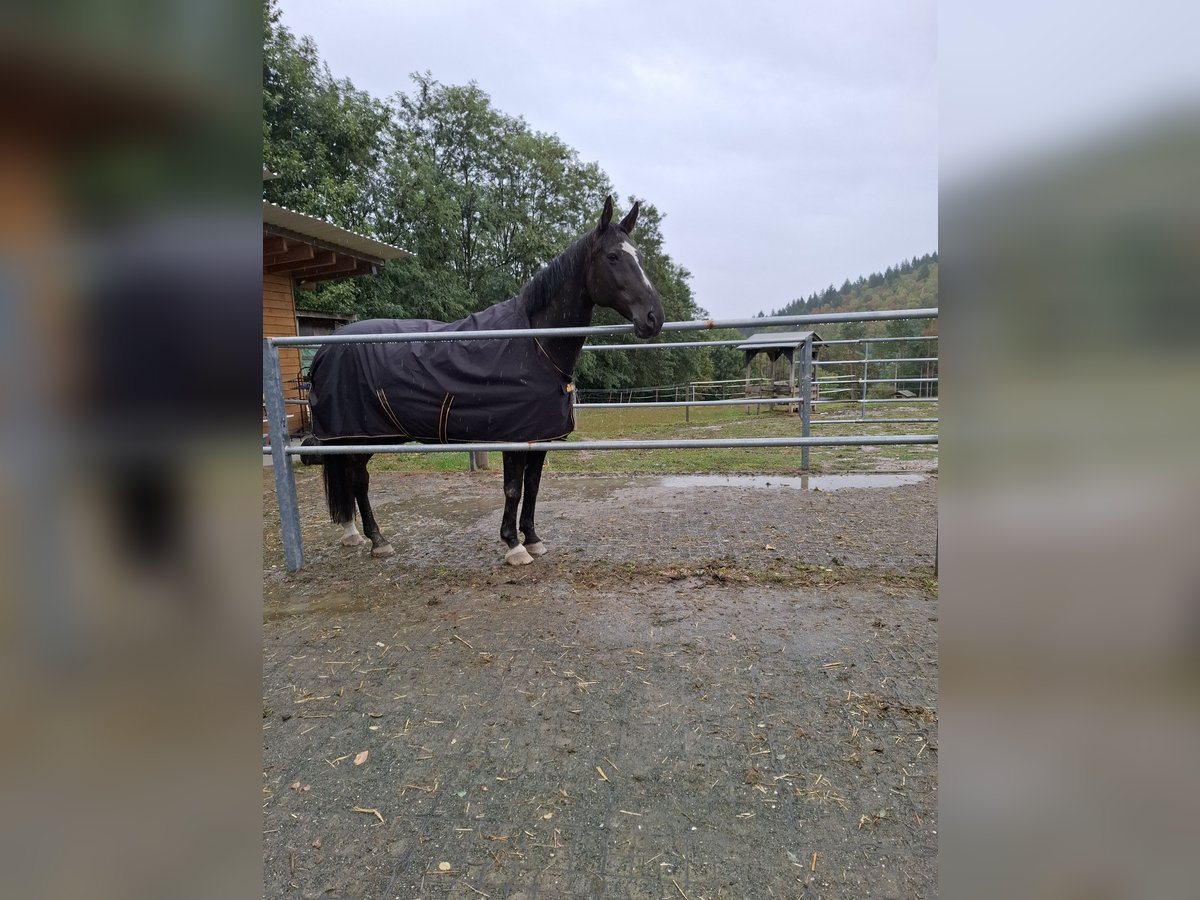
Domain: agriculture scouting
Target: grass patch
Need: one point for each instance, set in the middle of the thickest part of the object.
(711, 422)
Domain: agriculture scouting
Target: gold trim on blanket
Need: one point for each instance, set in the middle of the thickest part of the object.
(387, 409)
(444, 418)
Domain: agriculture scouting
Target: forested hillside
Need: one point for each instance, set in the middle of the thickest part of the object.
(911, 285)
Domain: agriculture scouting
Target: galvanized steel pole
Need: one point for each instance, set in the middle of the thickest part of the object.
(865, 362)
(806, 377)
(285, 482)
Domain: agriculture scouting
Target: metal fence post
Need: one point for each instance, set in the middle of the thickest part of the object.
(285, 482)
(862, 409)
(806, 378)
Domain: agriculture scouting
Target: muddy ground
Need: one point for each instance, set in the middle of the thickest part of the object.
(699, 692)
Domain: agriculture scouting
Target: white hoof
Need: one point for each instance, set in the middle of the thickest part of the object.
(382, 550)
(518, 556)
(538, 549)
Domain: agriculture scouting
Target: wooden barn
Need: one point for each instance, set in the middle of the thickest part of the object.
(301, 249)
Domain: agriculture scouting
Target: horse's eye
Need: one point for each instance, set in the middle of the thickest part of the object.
(612, 257)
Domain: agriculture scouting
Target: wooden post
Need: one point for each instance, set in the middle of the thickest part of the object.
(792, 375)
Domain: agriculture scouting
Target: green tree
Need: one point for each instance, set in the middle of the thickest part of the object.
(322, 137)
(479, 198)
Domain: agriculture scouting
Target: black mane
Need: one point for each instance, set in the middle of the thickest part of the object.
(545, 285)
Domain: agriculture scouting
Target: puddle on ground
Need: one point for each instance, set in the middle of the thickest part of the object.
(801, 482)
(334, 603)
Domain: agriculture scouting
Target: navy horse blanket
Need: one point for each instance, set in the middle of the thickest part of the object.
(441, 391)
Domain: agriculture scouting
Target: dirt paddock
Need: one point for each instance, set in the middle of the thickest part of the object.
(700, 692)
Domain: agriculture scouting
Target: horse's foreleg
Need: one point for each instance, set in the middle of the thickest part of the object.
(362, 481)
(514, 475)
(533, 479)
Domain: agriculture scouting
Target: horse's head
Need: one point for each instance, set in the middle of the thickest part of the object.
(615, 277)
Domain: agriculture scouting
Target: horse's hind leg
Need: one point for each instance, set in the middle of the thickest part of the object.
(533, 479)
(350, 535)
(514, 475)
(362, 481)
(339, 474)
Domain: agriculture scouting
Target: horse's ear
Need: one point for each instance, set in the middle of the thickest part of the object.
(630, 219)
(606, 216)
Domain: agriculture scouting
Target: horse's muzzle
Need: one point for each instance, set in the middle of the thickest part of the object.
(649, 326)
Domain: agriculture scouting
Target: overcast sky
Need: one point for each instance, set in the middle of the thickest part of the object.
(791, 145)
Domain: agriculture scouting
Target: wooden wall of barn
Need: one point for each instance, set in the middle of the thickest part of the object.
(279, 320)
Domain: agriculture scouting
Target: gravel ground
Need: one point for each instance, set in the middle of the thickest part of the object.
(700, 692)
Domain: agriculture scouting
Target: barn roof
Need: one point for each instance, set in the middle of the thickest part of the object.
(778, 340)
(779, 343)
(311, 249)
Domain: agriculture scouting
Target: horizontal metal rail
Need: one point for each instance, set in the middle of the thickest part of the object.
(874, 421)
(660, 345)
(740, 341)
(883, 400)
(879, 340)
(879, 315)
(894, 380)
(690, 444)
(740, 401)
(747, 401)
(874, 362)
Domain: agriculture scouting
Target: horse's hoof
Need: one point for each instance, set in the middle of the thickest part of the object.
(353, 541)
(518, 556)
(382, 550)
(536, 549)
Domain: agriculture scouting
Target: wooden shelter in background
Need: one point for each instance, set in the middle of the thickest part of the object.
(786, 344)
(301, 249)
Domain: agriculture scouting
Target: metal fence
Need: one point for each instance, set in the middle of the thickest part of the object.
(282, 452)
(762, 391)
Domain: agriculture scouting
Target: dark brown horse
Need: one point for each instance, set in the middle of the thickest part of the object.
(517, 389)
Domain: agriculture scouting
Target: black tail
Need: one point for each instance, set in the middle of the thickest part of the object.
(339, 472)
